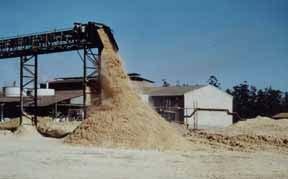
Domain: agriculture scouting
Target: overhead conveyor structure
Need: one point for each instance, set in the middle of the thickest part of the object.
(27, 48)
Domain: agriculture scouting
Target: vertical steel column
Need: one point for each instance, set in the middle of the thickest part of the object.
(29, 74)
(2, 111)
(99, 72)
(21, 89)
(84, 82)
(56, 111)
(194, 117)
(35, 88)
(90, 72)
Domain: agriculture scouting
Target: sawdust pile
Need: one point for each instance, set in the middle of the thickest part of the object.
(45, 126)
(10, 125)
(13, 128)
(49, 128)
(253, 134)
(260, 126)
(123, 120)
(241, 142)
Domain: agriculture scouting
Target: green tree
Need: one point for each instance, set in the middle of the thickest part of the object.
(249, 102)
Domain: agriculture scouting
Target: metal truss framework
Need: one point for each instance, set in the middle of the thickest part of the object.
(28, 47)
(91, 71)
(28, 76)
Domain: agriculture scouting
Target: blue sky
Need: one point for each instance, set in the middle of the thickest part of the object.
(185, 40)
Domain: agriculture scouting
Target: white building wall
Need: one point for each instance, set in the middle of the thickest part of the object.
(209, 97)
(79, 100)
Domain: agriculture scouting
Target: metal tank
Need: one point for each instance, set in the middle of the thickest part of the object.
(11, 91)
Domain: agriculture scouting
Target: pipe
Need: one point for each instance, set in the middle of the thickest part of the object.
(214, 109)
(36, 90)
(47, 85)
(84, 81)
(21, 89)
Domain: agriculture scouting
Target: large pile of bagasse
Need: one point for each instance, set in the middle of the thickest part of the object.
(258, 134)
(260, 126)
(123, 120)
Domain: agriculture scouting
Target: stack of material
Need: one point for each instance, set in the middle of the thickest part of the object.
(258, 133)
(49, 128)
(260, 126)
(122, 119)
(45, 126)
(11, 125)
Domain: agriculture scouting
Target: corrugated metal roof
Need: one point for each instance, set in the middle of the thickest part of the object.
(66, 81)
(171, 90)
(77, 79)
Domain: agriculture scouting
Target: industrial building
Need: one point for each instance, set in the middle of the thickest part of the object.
(198, 106)
(50, 102)
(59, 98)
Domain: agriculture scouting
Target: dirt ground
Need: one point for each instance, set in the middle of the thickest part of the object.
(256, 148)
(33, 156)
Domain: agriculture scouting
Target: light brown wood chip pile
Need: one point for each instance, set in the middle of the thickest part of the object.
(123, 119)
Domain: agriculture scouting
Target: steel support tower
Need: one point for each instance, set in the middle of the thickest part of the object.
(28, 47)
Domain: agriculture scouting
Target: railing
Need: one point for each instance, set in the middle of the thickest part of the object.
(79, 37)
(33, 34)
(176, 114)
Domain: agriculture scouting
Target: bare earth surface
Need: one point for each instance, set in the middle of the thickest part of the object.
(32, 156)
